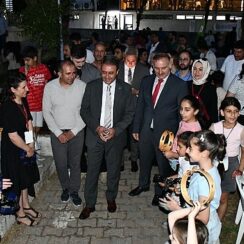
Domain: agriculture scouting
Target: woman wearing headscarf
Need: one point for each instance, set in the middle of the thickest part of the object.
(204, 92)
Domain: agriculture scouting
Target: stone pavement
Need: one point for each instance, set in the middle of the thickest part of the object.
(135, 220)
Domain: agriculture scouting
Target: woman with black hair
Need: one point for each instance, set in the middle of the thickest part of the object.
(17, 147)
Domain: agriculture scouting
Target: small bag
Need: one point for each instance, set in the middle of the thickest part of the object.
(26, 160)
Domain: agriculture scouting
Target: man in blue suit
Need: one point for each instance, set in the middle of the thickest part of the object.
(157, 110)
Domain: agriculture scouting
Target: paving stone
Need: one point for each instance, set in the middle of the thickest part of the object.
(114, 232)
(132, 231)
(106, 223)
(95, 240)
(38, 239)
(89, 231)
(78, 240)
(125, 223)
(69, 231)
(116, 240)
(58, 240)
(34, 230)
(48, 230)
(92, 222)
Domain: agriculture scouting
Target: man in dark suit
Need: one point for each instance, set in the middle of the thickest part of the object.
(132, 73)
(157, 110)
(107, 109)
(156, 46)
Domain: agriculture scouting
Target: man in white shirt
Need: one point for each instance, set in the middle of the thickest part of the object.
(233, 64)
(132, 73)
(61, 110)
(107, 109)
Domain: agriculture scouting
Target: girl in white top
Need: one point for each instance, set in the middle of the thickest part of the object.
(234, 134)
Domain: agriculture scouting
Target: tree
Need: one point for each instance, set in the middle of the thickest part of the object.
(40, 21)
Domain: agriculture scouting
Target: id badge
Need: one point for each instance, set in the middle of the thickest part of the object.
(29, 137)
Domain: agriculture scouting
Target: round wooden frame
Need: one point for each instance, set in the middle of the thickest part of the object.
(163, 145)
(209, 179)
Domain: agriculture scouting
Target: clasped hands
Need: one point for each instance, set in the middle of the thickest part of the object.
(104, 133)
(65, 136)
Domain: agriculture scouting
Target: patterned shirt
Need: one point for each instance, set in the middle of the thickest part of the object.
(37, 77)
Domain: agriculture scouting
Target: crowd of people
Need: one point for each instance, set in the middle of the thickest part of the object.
(104, 98)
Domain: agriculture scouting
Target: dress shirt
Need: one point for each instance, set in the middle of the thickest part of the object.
(126, 73)
(161, 88)
(113, 84)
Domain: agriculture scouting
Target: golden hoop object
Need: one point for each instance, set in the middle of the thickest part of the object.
(166, 141)
(209, 179)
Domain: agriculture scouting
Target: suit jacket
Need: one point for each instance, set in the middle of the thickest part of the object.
(165, 115)
(140, 72)
(123, 111)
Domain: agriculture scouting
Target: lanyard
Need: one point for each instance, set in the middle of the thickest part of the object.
(24, 112)
(226, 137)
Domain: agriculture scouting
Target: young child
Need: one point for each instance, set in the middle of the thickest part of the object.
(189, 109)
(190, 230)
(204, 147)
(183, 162)
(234, 134)
(37, 76)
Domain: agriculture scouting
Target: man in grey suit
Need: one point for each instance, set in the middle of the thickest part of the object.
(157, 110)
(107, 109)
(132, 73)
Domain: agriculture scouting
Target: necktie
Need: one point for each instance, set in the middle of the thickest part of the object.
(108, 106)
(156, 91)
(129, 76)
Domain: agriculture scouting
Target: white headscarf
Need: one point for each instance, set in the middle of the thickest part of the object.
(206, 71)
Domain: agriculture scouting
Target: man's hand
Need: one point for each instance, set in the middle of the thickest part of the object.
(62, 138)
(6, 183)
(104, 133)
(136, 136)
(109, 133)
(134, 91)
(69, 135)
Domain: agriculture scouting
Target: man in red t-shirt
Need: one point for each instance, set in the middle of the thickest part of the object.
(37, 76)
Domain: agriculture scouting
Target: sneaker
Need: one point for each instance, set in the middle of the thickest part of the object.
(65, 196)
(75, 198)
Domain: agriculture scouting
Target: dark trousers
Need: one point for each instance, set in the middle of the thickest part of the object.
(112, 153)
(68, 154)
(148, 150)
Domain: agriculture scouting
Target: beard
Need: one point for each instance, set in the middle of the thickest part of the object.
(184, 67)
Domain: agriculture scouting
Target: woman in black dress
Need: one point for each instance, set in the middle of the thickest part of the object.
(17, 139)
(204, 92)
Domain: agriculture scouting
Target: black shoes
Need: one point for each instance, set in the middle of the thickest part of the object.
(138, 190)
(155, 201)
(75, 198)
(86, 212)
(134, 166)
(65, 196)
(111, 206)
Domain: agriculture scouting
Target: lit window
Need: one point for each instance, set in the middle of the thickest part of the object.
(180, 17)
(220, 17)
(9, 5)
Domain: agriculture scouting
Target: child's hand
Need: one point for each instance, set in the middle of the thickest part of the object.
(6, 183)
(169, 154)
(197, 207)
(169, 203)
(236, 173)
